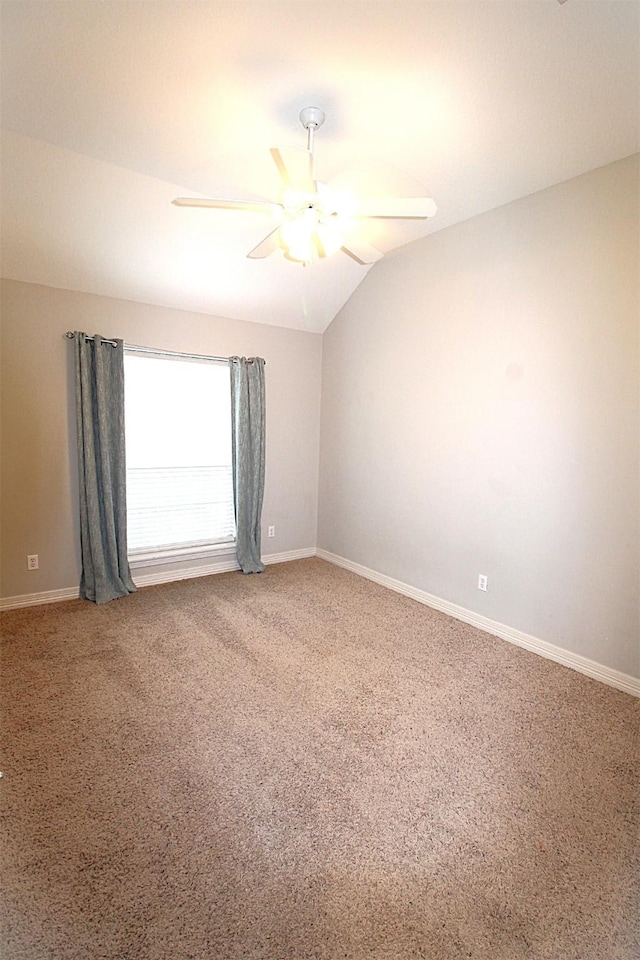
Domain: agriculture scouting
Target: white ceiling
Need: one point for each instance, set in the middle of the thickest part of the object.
(111, 109)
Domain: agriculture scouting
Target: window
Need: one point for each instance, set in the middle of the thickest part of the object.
(178, 435)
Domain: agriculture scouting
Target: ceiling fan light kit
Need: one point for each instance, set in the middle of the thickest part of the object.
(315, 220)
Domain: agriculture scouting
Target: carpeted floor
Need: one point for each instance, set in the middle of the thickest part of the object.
(302, 764)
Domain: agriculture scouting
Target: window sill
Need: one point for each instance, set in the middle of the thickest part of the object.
(153, 558)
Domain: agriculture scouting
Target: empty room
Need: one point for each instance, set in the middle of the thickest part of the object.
(320, 479)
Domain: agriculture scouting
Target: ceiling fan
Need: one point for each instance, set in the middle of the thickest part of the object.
(314, 221)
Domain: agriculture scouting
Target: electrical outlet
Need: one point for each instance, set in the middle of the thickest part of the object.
(32, 562)
(271, 532)
(482, 581)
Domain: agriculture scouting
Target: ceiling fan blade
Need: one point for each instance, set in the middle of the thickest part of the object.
(266, 246)
(362, 251)
(259, 206)
(401, 208)
(296, 167)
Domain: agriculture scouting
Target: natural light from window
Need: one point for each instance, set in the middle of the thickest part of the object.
(178, 443)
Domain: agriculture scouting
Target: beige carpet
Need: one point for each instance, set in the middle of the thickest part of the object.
(302, 764)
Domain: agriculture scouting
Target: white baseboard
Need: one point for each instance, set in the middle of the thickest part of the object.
(597, 671)
(217, 566)
(183, 573)
(36, 599)
(289, 555)
(158, 576)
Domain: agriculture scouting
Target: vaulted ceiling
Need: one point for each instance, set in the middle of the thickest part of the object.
(111, 109)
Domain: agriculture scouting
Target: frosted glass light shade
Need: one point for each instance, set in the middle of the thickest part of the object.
(305, 236)
(329, 238)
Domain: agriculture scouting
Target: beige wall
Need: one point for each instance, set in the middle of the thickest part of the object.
(39, 486)
(480, 415)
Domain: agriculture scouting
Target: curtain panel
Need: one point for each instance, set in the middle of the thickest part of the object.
(99, 384)
(248, 451)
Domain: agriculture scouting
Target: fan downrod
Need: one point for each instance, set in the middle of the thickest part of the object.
(311, 118)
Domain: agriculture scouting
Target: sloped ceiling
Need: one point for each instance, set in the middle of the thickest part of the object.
(111, 109)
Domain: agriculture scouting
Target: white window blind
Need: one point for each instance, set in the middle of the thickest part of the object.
(178, 440)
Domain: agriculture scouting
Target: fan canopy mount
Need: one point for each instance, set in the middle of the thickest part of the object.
(312, 117)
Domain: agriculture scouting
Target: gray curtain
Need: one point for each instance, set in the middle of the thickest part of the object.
(248, 437)
(99, 369)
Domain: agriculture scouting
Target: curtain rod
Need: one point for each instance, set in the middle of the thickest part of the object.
(162, 353)
(70, 335)
(154, 351)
